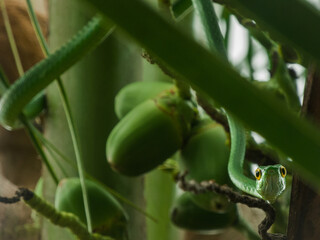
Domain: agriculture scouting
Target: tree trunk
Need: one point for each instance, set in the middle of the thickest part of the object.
(304, 215)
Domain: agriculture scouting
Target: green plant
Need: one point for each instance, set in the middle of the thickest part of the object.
(156, 124)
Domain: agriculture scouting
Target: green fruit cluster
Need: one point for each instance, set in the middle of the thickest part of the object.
(155, 123)
(108, 216)
(150, 132)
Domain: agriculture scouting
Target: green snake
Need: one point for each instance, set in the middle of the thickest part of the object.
(270, 180)
(41, 75)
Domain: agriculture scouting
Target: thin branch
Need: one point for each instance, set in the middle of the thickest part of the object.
(213, 112)
(152, 60)
(59, 218)
(34, 139)
(235, 197)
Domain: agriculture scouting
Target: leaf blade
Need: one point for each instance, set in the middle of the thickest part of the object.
(254, 107)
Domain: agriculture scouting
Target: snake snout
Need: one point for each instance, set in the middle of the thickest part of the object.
(272, 172)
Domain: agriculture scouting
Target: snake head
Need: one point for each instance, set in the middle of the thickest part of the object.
(270, 181)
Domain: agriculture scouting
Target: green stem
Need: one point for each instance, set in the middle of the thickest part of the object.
(76, 146)
(284, 81)
(12, 42)
(36, 26)
(256, 32)
(60, 218)
(4, 79)
(249, 56)
(48, 145)
(286, 21)
(6, 84)
(184, 89)
(34, 139)
(38, 147)
(52, 153)
(71, 124)
(180, 6)
(228, 26)
(211, 27)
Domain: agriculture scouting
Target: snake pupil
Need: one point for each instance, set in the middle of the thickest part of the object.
(283, 171)
(258, 174)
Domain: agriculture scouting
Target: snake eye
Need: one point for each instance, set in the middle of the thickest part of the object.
(283, 171)
(258, 174)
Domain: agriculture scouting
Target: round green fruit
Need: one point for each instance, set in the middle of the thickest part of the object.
(205, 156)
(107, 215)
(149, 134)
(187, 215)
(135, 93)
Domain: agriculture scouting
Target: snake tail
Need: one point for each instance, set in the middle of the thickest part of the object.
(43, 73)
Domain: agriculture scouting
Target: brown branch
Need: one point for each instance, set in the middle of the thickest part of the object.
(23, 193)
(212, 186)
(213, 112)
(152, 60)
(10, 200)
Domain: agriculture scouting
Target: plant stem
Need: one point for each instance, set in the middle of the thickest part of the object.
(249, 56)
(51, 151)
(76, 145)
(228, 27)
(12, 42)
(31, 133)
(38, 147)
(37, 28)
(211, 27)
(184, 89)
(71, 124)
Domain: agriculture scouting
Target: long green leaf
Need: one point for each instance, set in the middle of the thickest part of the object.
(193, 63)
